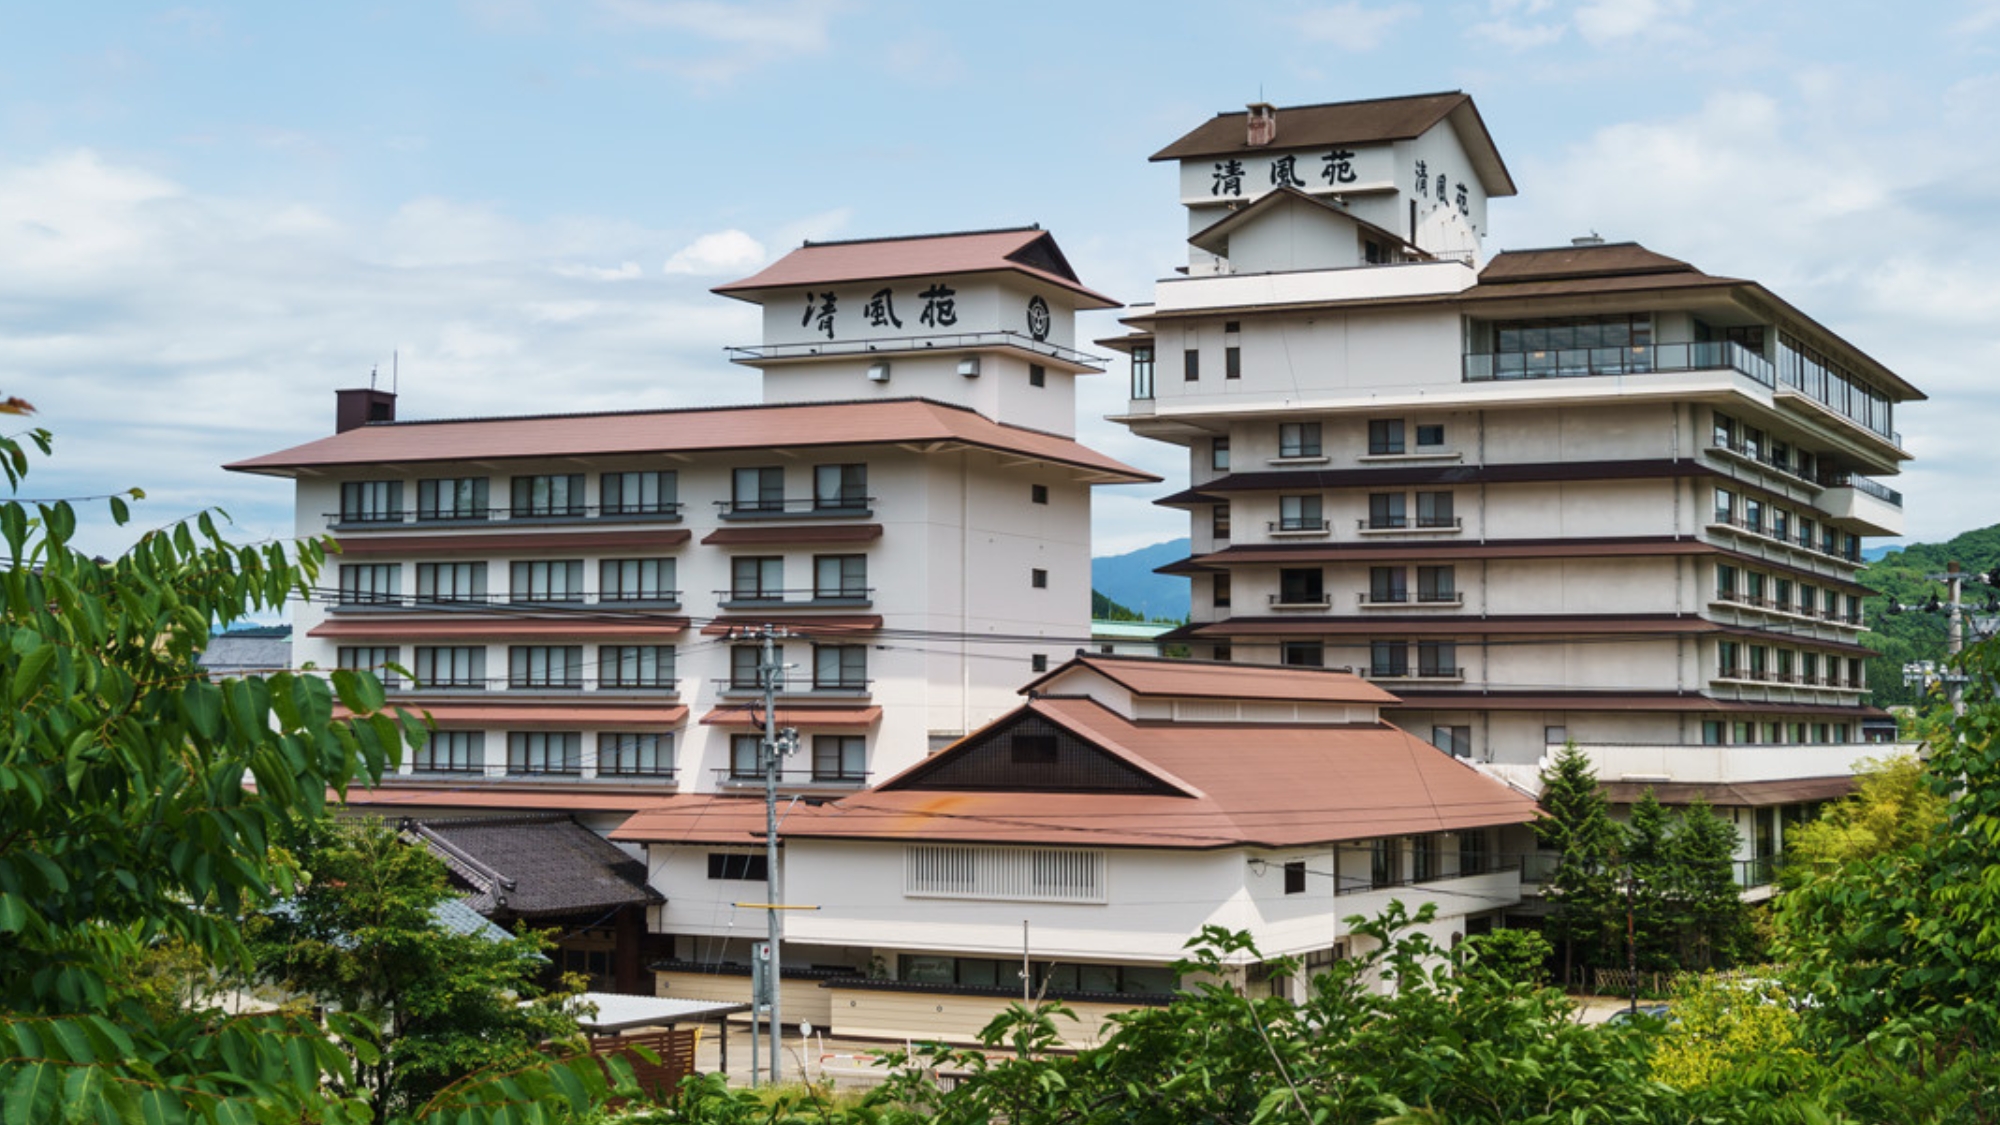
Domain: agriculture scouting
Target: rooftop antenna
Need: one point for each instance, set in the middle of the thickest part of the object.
(371, 376)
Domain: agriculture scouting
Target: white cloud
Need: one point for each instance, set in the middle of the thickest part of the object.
(1518, 36)
(734, 37)
(1353, 25)
(1606, 21)
(721, 252)
(624, 271)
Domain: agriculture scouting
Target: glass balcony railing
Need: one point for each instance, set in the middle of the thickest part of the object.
(1637, 359)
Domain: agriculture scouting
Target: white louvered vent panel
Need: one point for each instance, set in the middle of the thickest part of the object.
(1269, 713)
(1014, 874)
(1202, 711)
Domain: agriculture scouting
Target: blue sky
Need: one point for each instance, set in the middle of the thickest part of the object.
(212, 215)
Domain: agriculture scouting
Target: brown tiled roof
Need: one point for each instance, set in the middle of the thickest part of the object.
(1374, 121)
(1609, 259)
(708, 430)
(820, 718)
(1030, 251)
(535, 866)
(1753, 794)
(701, 818)
(794, 533)
(567, 536)
(449, 628)
(805, 625)
(1158, 676)
(513, 794)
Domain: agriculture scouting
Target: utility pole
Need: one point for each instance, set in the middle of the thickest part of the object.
(1954, 635)
(770, 671)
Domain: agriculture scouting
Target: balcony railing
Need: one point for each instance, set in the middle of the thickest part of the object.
(666, 685)
(799, 687)
(1362, 884)
(1298, 526)
(845, 507)
(1764, 531)
(350, 602)
(1860, 483)
(1399, 523)
(1445, 600)
(846, 597)
(728, 777)
(364, 520)
(1639, 359)
(1299, 599)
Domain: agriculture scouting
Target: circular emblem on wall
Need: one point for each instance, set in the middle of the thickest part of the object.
(1038, 318)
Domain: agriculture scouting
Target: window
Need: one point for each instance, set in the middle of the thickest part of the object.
(452, 666)
(746, 757)
(1295, 877)
(1039, 662)
(1781, 524)
(1190, 365)
(370, 583)
(1300, 513)
(1808, 667)
(1038, 578)
(1388, 659)
(745, 867)
(1554, 736)
(1038, 493)
(840, 576)
(1219, 521)
(1550, 335)
(758, 490)
(1728, 658)
(1302, 654)
(1017, 873)
(1388, 584)
(1473, 857)
(370, 658)
(1434, 509)
(639, 494)
(1760, 662)
(840, 757)
(1725, 431)
(635, 666)
(371, 501)
(1725, 582)
(452, 498)
(1232, 362)
(557, 580)
(757, 579)
(1430, 437)
(1711, 732)
(744, 664)
(451, 582)
(1386, 510)
(451, 751)
(1438, 659)
(1785, 659)
(635, 755)
(1753, 513)
(1424, 858)
(1385, 436)
(1221, 590)
(1753, 587)
(1781, 593)
(1298, 439)
(545, 666)
(544, 751)
(1301, 586)
(1725, 505)
(840, 487)
(1038, 376)
(1218, 454)
(840, 667)
(1437, 584)
(1142, 371)
(548, 495)
(1385, 862)
(1456, 741)
(636, 580)
(1222, 654)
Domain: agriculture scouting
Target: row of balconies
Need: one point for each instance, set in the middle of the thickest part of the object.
(663, 687)
(844, 507)
(846, 598)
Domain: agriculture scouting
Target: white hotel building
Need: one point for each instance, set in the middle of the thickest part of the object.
(1589, 493)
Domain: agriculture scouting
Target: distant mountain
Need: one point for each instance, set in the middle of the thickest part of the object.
(1129, 580)
(1875, 553)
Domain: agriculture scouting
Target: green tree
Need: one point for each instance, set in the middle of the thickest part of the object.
(1892, 809)
(1648, 862)
(1583, 888)
(362, 934)
(1701, 889)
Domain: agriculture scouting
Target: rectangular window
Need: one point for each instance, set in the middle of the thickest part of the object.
(1456, 741)
(1190, 365)
(451, 666)
(1725, 431)
(452, 498)
(371, 583)
(1295, 877)
(1218, 524)
(1753, 587)
(451, 582)
(745, 867)
(1760, 662)
(840, 757)
(1142, 371)
(635, 666)
(840, 488)
(1711, 732)
(1038, 376)
(1232, 362)
(451, 751)
(636, 580)
(1300, 513)
(760, 489)
(1385, 862)
(639, 494)
(744, 662)
(1039, 662)
(548, 495)
(1725, 582)
(1437, 584)
(1753, 513)
(1388, 584)
(1434, 509)
(1438, 659)
(371, 501)
(840, 667)
(544, 751)
(545, 666)
(1038, 578)
(1222, 654)
(1388, 659)
(1430, 437)
(746, 756)
(1728, 659)
(546, 580)
(1221, 590)
(1781, 524)
(1385, 436)
(1424, 858)
(1555, 736)
(370, 658)
(1386, 510)
(1218, 454)
(1301, 586)
(757, 578)
(1298, 439)
(840, 576)
(1725, 506)
(638, 754)
(1809, 667)
(1302, 654)
(1038, 493)
(1473, 856)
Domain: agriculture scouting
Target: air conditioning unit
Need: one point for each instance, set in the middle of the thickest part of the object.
(969, 367)
(879, 371)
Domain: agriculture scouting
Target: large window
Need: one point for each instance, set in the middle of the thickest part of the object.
(1300, 513)
(1437, 584)
(840, 576)
(1434, 509)
(758, 490)
(1302, 654)
(1301, 586)
(757, 578)
(840, 667)
(544, 751)
(548, 580)
(370, 583)
(635, 666)
(639, 494)
(451, 666)
(452, 498)
(744, 662)
(1437, 659)
(1424, 865)
(746, 756)
(643, 754)
(1298, 439)
(636, 580)
(451, 751)
(1387, 510)
(371, 501)
(840, 757)
(1388, 584)
(370, 658)
(1385, 862)
(1142, 371)
(451, 582)
(1385, 436)
(840, 487)
(545, 666)
(1388, 659)
(1627, 330)
(543, 496)
(748, 867)
(1218, 521)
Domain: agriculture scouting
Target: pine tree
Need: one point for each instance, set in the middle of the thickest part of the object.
(1583, 889)
(1649, 865)
(1701, 855)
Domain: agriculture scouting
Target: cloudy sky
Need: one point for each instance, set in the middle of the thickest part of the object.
(212, 215)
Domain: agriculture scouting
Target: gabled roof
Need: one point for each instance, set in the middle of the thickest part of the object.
(1602, 259)
(1214, 238)
(1205, 679)
(701, 430)
(1372, 121)
(535, 865)
(1029, 251)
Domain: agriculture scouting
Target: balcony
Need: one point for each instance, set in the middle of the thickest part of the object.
(1641, 359)
(1403, 600)
(1765, 533)
(729, 778)
(1722, 765)
(1298, 528)
(1420, 674)
(1422, 525)
(843, 598)
(1864, 505)
(346, 602)
(809, 508)
(587, 514)
(656, 687)
(800, 689)
(1306, 600)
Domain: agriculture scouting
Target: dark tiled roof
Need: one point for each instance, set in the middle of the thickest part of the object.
(535, 865)
(1607, 259)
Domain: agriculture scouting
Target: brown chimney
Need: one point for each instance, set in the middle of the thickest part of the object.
(358, 406)
(1263, 124)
